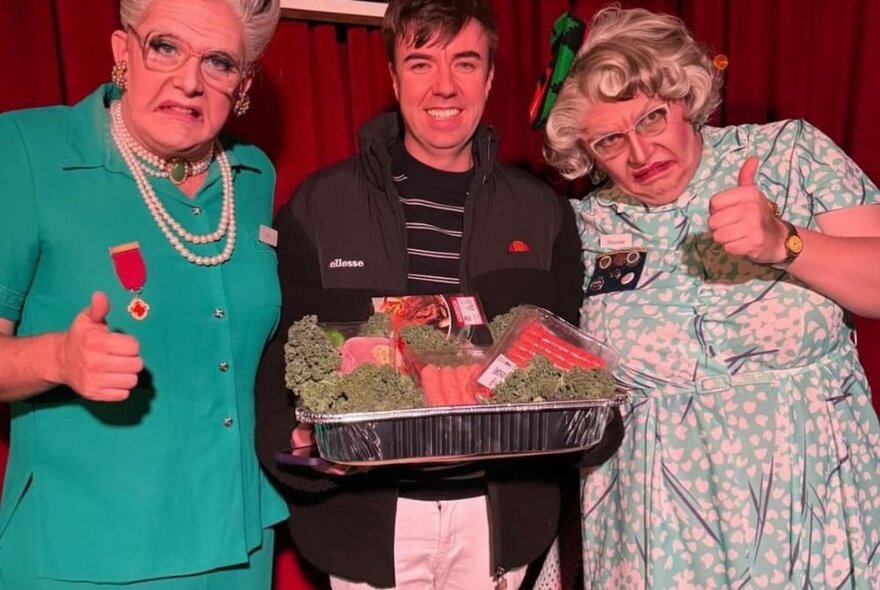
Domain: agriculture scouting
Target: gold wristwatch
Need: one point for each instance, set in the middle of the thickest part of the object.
(793, 246)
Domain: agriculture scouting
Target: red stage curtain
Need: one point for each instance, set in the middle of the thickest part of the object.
(320, 82)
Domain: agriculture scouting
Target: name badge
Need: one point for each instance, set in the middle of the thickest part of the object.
(268, 235)
(617, 271)
(615, 241)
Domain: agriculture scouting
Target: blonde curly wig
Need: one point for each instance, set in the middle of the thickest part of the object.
(628, 52)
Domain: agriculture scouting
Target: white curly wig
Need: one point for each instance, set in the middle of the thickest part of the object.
(258, 19)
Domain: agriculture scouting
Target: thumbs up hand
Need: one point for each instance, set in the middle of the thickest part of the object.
(745, 222)
(98, 364)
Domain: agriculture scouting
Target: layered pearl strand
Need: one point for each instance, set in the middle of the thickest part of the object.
(175, 233)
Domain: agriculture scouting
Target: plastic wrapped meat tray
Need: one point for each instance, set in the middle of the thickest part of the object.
(456, 433)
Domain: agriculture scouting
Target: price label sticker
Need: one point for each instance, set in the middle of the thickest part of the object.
(497, 372)
(467, 311)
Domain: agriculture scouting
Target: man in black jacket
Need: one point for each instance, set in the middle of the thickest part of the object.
(424, 208)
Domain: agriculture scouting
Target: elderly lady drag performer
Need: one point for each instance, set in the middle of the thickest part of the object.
(722, 263)
(136, 293)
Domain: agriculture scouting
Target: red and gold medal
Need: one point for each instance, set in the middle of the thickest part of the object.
(132, 273)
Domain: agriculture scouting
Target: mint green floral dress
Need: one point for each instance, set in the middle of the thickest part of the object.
(751, 451)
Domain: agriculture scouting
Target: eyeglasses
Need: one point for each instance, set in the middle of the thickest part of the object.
(167, 53)
(613, 144)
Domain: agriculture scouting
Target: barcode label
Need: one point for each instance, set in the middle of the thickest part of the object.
(497, 372)
(467, 311)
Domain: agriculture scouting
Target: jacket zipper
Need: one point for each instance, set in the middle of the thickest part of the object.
(494, 539)
(498, 578)
(391, 189)
(469, 217)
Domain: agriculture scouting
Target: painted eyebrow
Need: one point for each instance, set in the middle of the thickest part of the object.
(172, 37)
(600, 135)
(161, 35)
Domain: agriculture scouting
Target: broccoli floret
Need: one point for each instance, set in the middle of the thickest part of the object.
(501, 322)
(309, 355)
(372, 388)
(541, 380)
(378, 324)
(535, 382)
(313, 363)
(586, 384)
(369, 388)
(424, 337)
(320, 396)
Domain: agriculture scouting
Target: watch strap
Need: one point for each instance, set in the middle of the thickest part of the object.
(793, 246)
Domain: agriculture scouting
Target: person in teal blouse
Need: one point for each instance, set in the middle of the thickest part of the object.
(137, 289)
(722, 263)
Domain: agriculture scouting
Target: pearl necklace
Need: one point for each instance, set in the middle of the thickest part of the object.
(175, 169)
(172, 230)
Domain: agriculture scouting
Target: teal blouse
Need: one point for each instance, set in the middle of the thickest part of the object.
(166, 483)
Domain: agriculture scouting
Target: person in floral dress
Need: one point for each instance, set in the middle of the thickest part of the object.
(723, 264)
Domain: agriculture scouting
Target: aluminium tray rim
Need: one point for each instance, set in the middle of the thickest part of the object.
(303, 415)
(462, 458)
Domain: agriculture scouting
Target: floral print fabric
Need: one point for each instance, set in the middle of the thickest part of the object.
(751, 451)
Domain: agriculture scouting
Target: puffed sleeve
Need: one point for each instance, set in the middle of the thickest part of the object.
(824, 174)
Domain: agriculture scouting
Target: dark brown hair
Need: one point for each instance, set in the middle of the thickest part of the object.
(425, 21)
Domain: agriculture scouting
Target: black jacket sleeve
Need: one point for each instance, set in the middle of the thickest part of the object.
(301, 294)
(609, 444)
(273, 402)
(568, 272)
(568, 267)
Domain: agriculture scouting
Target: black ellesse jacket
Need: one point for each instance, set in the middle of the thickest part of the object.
(342, 239)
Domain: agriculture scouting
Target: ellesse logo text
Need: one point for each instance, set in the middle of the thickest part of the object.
(340, 263)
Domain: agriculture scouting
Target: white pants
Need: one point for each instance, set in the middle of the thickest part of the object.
(441, 545)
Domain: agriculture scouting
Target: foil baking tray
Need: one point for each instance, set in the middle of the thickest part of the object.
(456, 433)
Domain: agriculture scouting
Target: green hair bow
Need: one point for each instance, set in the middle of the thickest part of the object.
(566, 40)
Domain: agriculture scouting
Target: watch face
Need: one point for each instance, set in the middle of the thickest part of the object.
(794, 244)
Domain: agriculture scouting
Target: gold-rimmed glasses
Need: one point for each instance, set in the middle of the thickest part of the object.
(163, 52)
(613, 144)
